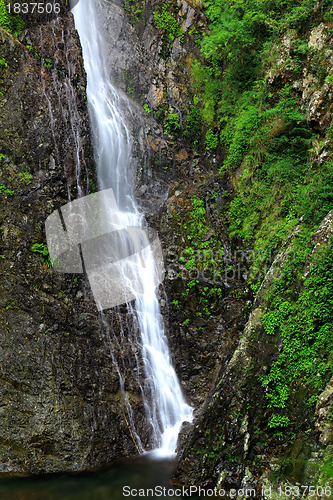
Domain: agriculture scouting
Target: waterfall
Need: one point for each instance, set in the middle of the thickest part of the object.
(164, 403)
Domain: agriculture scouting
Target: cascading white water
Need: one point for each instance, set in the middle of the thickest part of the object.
(165, 406)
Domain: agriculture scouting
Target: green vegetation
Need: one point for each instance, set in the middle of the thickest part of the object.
(269, 143)
(3, 189)
(92, 186)
(201, 258)
(135, 9)
(278, 421)
(207, 84)
(328, 467)
(172, 125)
(34, 51)
(304, 323)
(160, 112)
(192, 131)
(168, 23)
(48, 63)
(43, 252)
(211, 141)
(146, 108)
(25, 177)
(165, 18)
(10, 22)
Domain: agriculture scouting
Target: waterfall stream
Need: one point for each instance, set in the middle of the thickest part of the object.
(164, 403)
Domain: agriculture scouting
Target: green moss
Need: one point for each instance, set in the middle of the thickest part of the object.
(211, 141)
(48, 63)
(281, 170)
(135, 9)
(303, 321)
(193, 121)
(270, 147)
(160, 112)
(168, 23)
(206, 83)
(42, 250)
(10, 22)
(201, 260)
(278, 421)
(25, 177)
(165, 19)
(146, 108)
(3, 189)
(327, 468)
(33, 51)
(172, 124)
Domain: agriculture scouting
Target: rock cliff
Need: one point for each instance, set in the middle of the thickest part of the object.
(61, 408)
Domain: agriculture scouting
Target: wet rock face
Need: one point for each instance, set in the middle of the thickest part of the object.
(226, 446)
(60, 401)
(155, 82)
(324, 421)
(40, 110)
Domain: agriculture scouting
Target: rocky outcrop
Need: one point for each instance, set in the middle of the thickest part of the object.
(324, 421)
(226, 448)
(156, 83)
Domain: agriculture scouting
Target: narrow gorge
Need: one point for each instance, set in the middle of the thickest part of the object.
(212, 123)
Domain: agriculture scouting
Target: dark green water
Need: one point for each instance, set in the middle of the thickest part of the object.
(141, 473)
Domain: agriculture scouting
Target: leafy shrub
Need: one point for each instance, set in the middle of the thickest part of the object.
(245, 124)
(281, 176)
(205, 82)
(305, 327)
(42, 250)
(48, 63)
(172, 124)
(165, 21)
(160, 113)
(146, 108)
(278, 421)
(274, 319)
(3, 189)
(192, 130)
(25, 177)
(211, 141)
